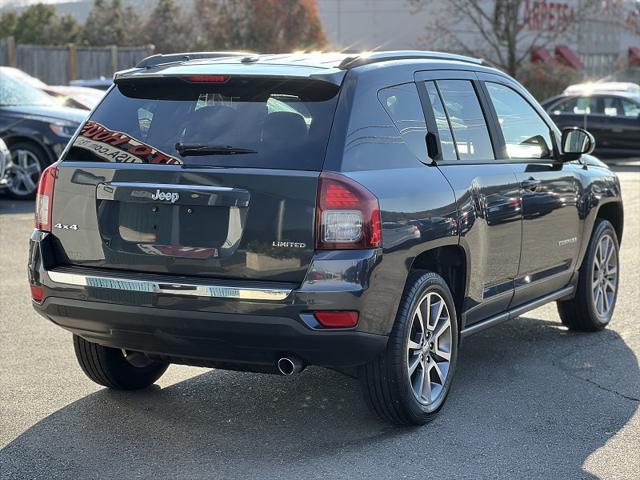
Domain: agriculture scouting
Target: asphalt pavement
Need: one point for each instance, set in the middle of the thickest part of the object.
(530, 400)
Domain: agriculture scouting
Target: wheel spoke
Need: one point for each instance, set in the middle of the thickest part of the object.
(427, 310)
(420, 379)
(441, 377)
(413, 365)
(419, 317)
(442, 328)
(605, 300)
(27, 181)
(426, 384)
(414, 345)
(32, 169)
(442, 354)
(438, 307)
(23, 158)
(610, 285)
(609, 251)
(597, 299)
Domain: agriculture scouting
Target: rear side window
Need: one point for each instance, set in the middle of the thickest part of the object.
(620, 107)
(444, 130)
(467, 121)
(261, 123)
(402, 103)
(526, 135)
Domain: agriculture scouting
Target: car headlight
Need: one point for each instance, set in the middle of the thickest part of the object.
(64, 130)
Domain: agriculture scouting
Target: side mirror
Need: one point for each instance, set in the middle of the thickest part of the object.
(576, 142)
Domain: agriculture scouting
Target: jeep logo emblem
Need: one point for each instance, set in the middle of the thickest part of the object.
(171, 197)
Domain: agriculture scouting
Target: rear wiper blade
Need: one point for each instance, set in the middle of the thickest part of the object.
(204, 149)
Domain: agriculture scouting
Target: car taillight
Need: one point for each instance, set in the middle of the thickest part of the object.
(37, 293)
(347, 215)
(44, 199)
(207, 78)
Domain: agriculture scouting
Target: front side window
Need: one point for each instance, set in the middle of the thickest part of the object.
(402, 103)
(470, 131)
(526, 135)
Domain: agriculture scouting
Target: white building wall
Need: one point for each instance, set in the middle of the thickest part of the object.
(371, 24)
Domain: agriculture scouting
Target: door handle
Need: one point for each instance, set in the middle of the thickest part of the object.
(530, 184)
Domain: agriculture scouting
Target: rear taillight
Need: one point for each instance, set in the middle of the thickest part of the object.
(347, 215)
(37, 293)
(44, 199)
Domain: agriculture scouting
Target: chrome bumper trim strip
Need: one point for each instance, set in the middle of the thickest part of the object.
(213, 291)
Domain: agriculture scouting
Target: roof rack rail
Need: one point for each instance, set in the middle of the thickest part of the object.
(377, 57)
(159, 59)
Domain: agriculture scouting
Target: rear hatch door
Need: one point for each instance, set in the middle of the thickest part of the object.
(211, 176)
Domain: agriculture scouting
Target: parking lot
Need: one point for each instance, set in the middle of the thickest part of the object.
(530, 400)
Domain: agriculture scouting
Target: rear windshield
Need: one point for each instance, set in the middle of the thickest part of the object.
(240, 122)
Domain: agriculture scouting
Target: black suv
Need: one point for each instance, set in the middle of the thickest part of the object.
(612, 117)
(362, 213)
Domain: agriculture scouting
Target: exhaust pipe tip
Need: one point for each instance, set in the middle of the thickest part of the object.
(289, 365)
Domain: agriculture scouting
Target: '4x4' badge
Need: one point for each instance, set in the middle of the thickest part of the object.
(62, 226)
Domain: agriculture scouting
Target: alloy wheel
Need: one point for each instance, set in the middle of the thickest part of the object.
(23, 173)
(604, 278)
(429, 348)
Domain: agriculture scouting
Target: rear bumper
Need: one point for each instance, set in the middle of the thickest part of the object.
(242, 325)
(200, 337)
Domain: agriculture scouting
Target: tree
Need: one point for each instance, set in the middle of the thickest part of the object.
(167, 28)
(39, 24)
(504, 32)
(109, 23)
(8, 22)
(259, 25)
(285, 25)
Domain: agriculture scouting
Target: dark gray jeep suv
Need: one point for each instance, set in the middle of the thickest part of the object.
(362, 213)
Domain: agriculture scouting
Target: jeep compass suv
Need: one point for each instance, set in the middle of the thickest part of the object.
(362, 213)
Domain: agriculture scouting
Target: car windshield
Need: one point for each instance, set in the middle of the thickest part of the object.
(241, 122)
(16, 93)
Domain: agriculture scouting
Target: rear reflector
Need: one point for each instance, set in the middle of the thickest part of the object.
(207, 78)
(44, 198)
(336, 319)
(347, 216)
(37, 293)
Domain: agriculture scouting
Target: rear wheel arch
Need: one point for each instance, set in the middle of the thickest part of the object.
(17, 139)
(450, 263)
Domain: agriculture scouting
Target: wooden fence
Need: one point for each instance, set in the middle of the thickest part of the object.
(60, 65)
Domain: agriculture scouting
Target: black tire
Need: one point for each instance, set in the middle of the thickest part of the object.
(43, 160)
(386, 381)
(109, 367)
(580, 313)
